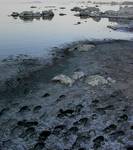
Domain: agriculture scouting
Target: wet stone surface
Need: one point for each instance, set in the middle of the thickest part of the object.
(56, 116)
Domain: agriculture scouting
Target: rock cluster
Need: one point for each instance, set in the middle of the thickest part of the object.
(124, 12)
(86, 12)
(63, 79)
(31, 14)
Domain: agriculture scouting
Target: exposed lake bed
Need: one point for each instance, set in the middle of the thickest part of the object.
(42, 108)
(74, 96)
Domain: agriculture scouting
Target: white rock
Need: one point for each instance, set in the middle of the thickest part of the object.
(78, 75)
(96, 80)
(110, 80)
(63, 79)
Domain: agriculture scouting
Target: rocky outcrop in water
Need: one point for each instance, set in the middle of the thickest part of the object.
(31, 15)
(123, 13)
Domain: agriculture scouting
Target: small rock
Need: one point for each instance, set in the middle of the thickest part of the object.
(111, 80)
(117, 134)
(15, 14)
(44, 135)
(62, 96)
(76, 9)
(63, 79)
(47, 13)
(78, 75)
(58, 128)
(62, 7)
(62, 14)
(39, 146)
(98, 141)
(37, 109)
(4, 111)
(122, 118)
(25, 123)
(78, 23)
(73, 130)
(67, 112)
(33, 7)
(24, 109)
(82, 121)
(110, 128)
(46, 95)
(95, 80)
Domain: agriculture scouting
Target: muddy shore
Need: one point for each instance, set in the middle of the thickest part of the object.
(39, 114)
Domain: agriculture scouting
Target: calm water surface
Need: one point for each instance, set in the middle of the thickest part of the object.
(37, 37)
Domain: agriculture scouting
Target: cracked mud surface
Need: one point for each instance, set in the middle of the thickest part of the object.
(38, 114)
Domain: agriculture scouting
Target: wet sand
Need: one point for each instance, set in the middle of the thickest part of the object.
(38, 114)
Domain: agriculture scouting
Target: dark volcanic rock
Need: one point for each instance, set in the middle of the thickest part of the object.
(44, 135)
(57, 117)
(26, 123)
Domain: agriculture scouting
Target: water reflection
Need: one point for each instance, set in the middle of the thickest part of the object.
(120, 21)
(36, 36)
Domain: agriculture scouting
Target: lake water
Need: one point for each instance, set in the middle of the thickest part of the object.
(37, 37)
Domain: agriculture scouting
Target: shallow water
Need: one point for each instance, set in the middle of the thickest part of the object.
(37, 37)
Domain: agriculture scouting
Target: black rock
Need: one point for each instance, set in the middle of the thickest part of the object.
(44, 135)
